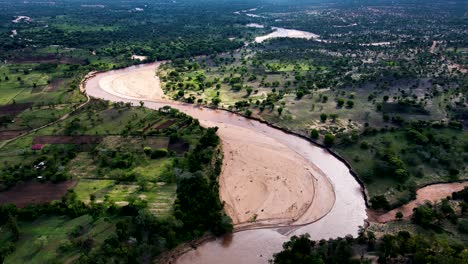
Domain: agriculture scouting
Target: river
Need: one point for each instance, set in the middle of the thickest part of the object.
(325, 218)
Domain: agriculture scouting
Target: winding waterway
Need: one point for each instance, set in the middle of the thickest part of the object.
(322, 219)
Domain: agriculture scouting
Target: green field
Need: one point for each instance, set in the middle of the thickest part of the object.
(45, 240)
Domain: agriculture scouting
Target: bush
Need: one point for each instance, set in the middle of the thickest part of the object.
(323, 117)
(159, 153)
(299, 94)
(463, 226)
(340, 102)
(314, 134)
(329, 139)
(379, 202)
(147, 151)
(424, 215)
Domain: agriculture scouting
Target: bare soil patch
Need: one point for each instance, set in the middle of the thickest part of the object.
(14, 109)
(178, 146)
(49, 58)
(35, 193)
(78, 140)
(9, 134)
(166, 124)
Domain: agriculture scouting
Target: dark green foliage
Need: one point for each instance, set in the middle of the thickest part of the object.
(314, 134)
(424, 215)
(379, 202)
(323, 117)
(329, 139)
(159, 153)
(400, 248)
(340, 102)
(461, 195)
(197, 206)
(302, 250)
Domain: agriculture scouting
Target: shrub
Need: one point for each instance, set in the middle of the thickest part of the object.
(159, 153)
(399, 215)
(323, 117)
(340, 102)
(314, 134)
(299, 94)
(379, 202)
(147, 151)
(329, 139)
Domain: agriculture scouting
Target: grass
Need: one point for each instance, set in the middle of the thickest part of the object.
(160, 197)
(54, 231)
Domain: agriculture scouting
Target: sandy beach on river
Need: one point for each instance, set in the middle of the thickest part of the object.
(263, 182)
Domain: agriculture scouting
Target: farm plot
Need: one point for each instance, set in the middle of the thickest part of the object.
(160, 197)
(35, 193)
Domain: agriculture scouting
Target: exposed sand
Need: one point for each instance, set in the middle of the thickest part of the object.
(140, 83)
(24, 18)
(139, 57)
(263, 182)
(254, 25)
(432, 193)
(286, 33)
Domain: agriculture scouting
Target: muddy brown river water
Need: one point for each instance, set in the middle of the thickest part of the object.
(337, 206)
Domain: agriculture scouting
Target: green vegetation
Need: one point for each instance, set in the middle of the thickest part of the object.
(141, 177)
(398, 161)
(402, 247)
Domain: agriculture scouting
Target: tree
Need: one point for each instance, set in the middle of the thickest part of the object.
(280, 110)
(329, 139)
(340, 102)
(323, 117)
(249, 90)
(299, 94)
(385, 98)
(399, 215)
(350, 104)
(314, 134)
(216, 101)
(379, 202)
(424, 215)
